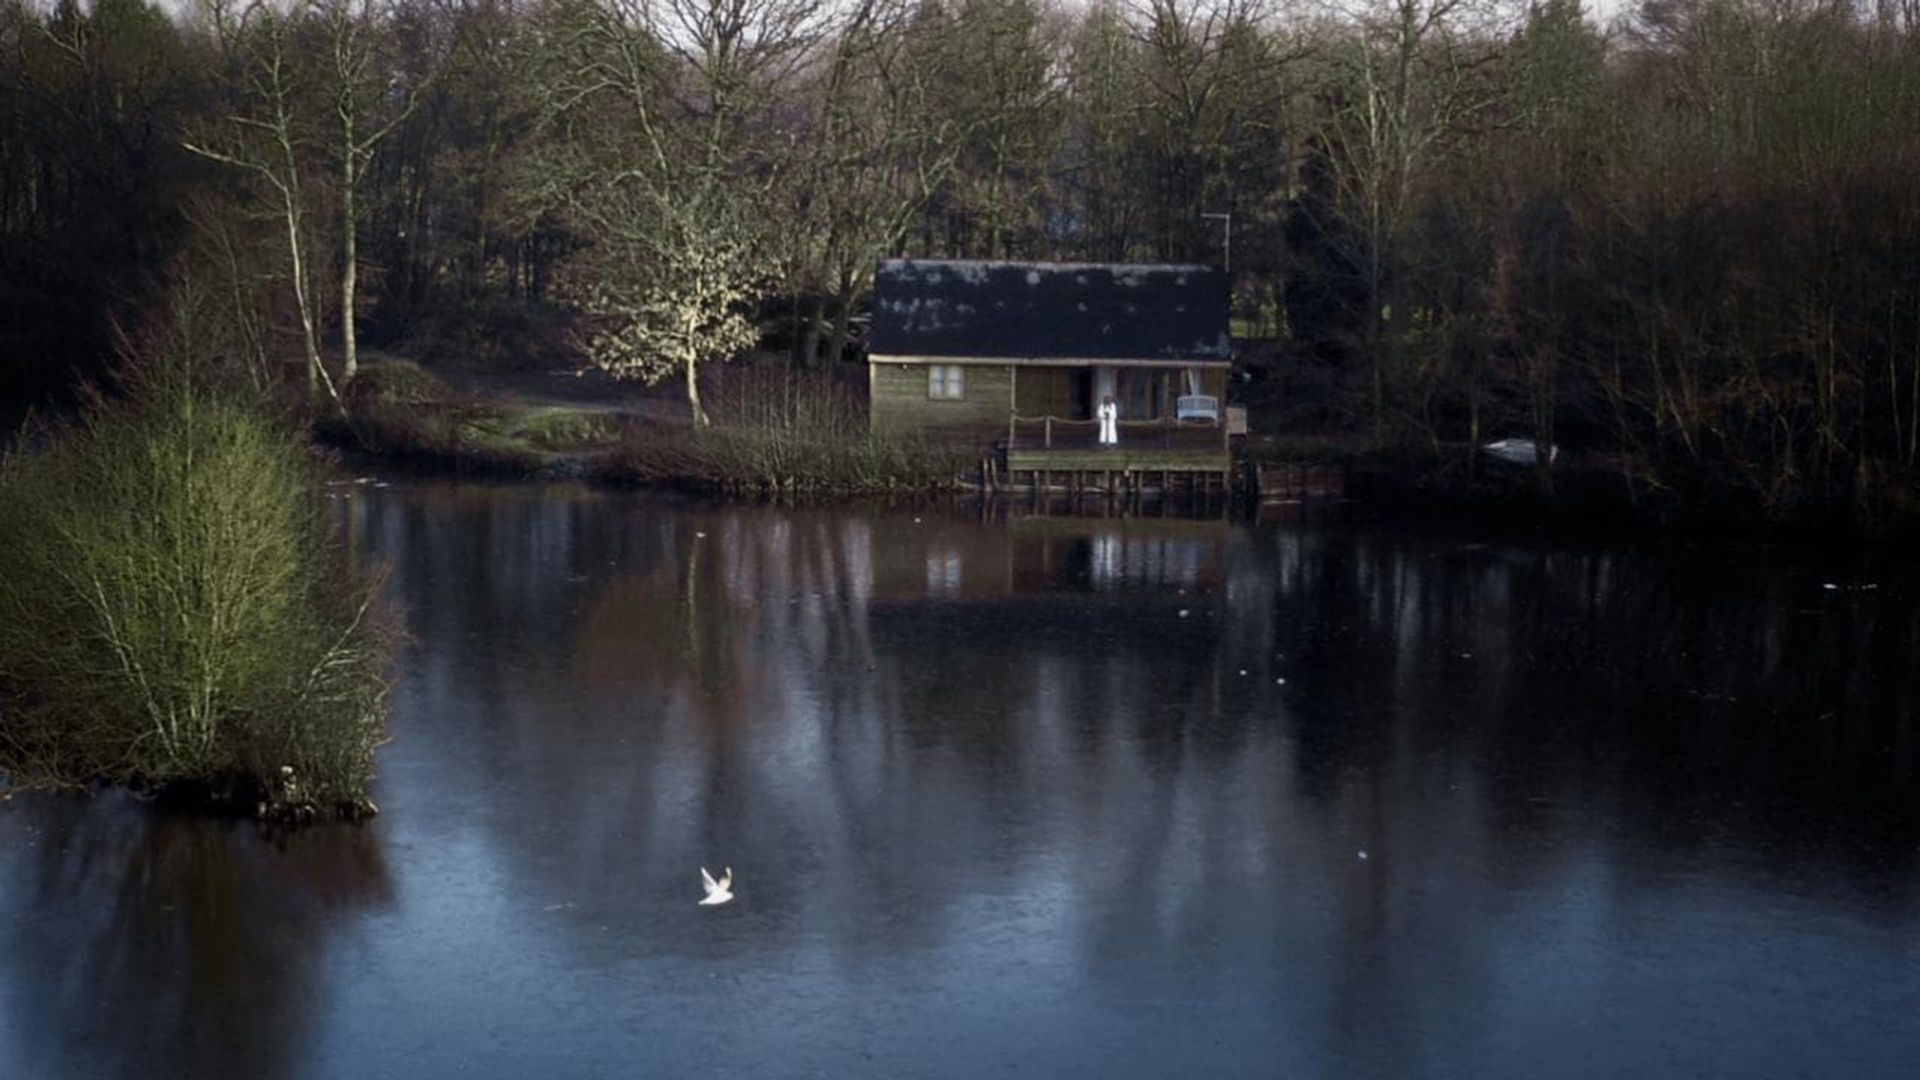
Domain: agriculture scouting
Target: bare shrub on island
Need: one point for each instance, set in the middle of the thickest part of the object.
(175, 616)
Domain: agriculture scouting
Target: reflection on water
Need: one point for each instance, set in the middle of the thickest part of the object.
(1076, 797)
(135, 938)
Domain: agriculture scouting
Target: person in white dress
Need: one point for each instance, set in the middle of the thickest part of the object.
(1109, 422)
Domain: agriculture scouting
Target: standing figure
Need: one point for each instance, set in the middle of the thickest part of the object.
(1109, 422)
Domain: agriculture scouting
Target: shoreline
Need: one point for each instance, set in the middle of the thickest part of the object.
(518, 430)
(1377, 485)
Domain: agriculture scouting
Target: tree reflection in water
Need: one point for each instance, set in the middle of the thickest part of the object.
(162, 945)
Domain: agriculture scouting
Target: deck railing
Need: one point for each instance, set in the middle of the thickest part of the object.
(1057, 433)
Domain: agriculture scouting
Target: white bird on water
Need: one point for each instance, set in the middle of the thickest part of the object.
(718, 892)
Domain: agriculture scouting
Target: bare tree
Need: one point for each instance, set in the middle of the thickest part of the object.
(1211, 87)
(1404, 81)
(878, 149)
(1002, 89)
(263, 129)
(663, 146)
(369, 101)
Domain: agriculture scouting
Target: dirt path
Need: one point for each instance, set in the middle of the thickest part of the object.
(663, 404)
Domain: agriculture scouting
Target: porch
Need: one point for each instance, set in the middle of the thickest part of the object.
(1163, 454)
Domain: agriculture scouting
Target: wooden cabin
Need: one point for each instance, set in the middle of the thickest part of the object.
(1020, 355)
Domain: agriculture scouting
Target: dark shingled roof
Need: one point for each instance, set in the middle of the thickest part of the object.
(933, 307)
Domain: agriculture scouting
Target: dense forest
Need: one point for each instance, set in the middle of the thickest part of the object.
(1684, 244)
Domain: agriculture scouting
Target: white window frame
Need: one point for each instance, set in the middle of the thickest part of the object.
(946, 382)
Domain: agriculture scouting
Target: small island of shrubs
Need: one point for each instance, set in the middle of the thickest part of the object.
(176, 617)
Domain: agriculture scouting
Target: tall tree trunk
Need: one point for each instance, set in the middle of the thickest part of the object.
(300, 302)
(842, 314)
(694, 407)
(349, 270)
(807, 341)
(1376, 347)
(317, 376)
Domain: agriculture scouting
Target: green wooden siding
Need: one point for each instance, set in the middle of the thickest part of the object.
(1046, 391)
(900, 405)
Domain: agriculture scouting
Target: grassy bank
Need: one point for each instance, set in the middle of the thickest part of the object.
(175, 616)
(401, 411)
(774, 431)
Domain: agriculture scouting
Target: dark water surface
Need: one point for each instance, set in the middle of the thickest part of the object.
(1034, 797)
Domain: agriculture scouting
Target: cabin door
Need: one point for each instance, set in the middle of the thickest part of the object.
(1081, 407)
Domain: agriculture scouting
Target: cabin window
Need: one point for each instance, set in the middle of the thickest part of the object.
(946, 382)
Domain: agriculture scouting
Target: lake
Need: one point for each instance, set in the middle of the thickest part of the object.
(1009, 794)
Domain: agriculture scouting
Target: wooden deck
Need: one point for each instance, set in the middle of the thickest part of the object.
(1048, 452)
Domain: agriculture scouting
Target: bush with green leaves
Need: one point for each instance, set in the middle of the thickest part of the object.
(175, 616)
